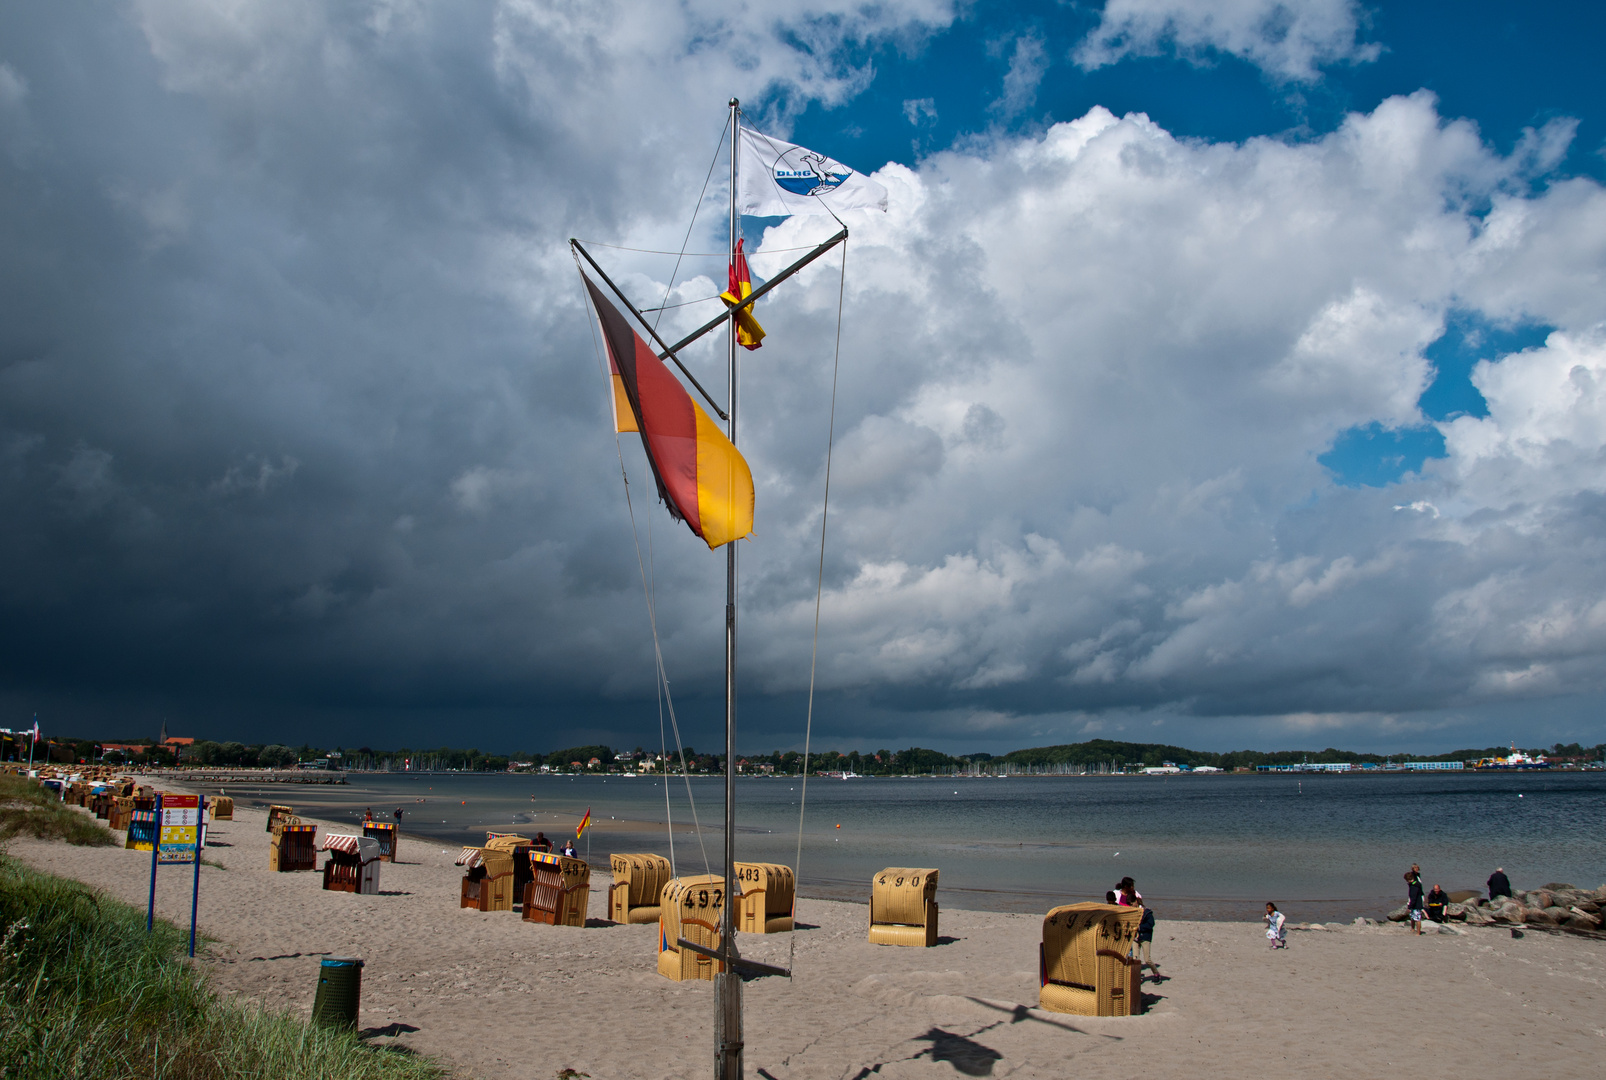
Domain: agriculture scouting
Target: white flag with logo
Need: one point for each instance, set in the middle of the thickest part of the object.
(776, 179)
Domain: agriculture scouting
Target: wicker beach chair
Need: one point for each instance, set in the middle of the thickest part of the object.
(903, 907)
(488, 880)
(638, 884)
(767, 897)
(384, 833)
(559, 890)
(353, 864)
(692, 909)
(293, 847)
(1085, 960)
(222, 807)
(277, 813)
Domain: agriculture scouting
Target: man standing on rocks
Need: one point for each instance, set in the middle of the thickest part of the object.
(1499, 884)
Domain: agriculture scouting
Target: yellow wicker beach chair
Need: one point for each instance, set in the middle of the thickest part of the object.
(768, 892)
(903, 907)
(1085, 960)
(559, 889)
(638, 883)
(222, 807)
(692, 908)
(488, 882)
(276, 814)
(292, 846)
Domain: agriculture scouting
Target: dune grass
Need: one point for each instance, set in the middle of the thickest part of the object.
(87, 994)
(27, 806)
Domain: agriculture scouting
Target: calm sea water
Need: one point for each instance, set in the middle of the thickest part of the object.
(1214, 847)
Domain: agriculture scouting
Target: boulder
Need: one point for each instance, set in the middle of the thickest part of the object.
(1600, 895)
(1455, 911)
(1506, 913)
(1558, 913)
(1588, 906)
(1589, 917)
(1581, 922)
(1557, 887)
(1399, 914)
(1479, 918)
(1535, 898)
(1538, 917)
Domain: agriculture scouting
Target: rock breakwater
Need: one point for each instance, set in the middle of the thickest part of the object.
(1566, 907)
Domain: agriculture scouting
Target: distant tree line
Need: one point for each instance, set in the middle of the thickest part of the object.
(1094, 755)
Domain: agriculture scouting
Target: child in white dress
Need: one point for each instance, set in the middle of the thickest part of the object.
(1276, 927)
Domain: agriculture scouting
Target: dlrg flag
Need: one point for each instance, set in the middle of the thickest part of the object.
(580, 828)
(777, 179)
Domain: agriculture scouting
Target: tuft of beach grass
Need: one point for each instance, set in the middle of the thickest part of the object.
(87, 994)
(27, 806)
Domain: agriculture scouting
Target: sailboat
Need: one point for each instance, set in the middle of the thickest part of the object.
(700, 474)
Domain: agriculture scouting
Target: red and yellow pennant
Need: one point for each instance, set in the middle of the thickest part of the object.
(585, 821)
(701, 476)
(749, 335)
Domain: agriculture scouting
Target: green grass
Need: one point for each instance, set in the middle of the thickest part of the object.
(27, 806)
(87, 994)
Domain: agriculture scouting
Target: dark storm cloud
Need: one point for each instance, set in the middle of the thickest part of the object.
(302, 426)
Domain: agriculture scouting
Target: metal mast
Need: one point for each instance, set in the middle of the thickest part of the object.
(728, 984)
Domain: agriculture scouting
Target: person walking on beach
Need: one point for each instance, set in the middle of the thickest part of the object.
(1145, 936)
(1499, 884)
(1276, 927)
(368, 816)
(1414, 903)
(1126, 893)
(398, 818)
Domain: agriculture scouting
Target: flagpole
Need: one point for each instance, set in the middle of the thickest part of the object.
(33, 737)
(728, 984)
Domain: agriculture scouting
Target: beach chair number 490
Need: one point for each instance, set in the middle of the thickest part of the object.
(898, 882)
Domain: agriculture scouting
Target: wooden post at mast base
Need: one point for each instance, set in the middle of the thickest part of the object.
(728, 1042)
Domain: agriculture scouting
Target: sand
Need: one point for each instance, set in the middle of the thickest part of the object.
(491, 996)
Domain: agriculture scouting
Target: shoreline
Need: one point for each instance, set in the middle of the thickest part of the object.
(493, 997)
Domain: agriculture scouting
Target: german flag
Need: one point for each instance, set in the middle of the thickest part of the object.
(749, 335)
(701, 477)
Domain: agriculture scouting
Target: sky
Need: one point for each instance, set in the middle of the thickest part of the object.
(1224, 373)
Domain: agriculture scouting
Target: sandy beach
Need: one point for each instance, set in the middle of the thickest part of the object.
(491, 996)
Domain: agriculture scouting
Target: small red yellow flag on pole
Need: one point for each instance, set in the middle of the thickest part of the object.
(580, 828)
(749, 335)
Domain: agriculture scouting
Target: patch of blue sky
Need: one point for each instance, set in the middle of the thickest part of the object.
(1467, 339)
(1375, 456)
(1507, 67)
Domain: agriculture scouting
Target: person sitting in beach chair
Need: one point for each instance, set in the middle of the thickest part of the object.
(542, 844)
(1276, 927)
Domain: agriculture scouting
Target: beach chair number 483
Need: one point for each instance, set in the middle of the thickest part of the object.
(701, 900)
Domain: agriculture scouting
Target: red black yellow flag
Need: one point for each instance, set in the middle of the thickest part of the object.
(701, 476)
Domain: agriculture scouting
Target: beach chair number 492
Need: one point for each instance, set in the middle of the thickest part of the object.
(701, 900)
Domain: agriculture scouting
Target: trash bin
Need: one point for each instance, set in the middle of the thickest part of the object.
(339, 991)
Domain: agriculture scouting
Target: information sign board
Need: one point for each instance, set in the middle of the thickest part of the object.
(181, 829)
